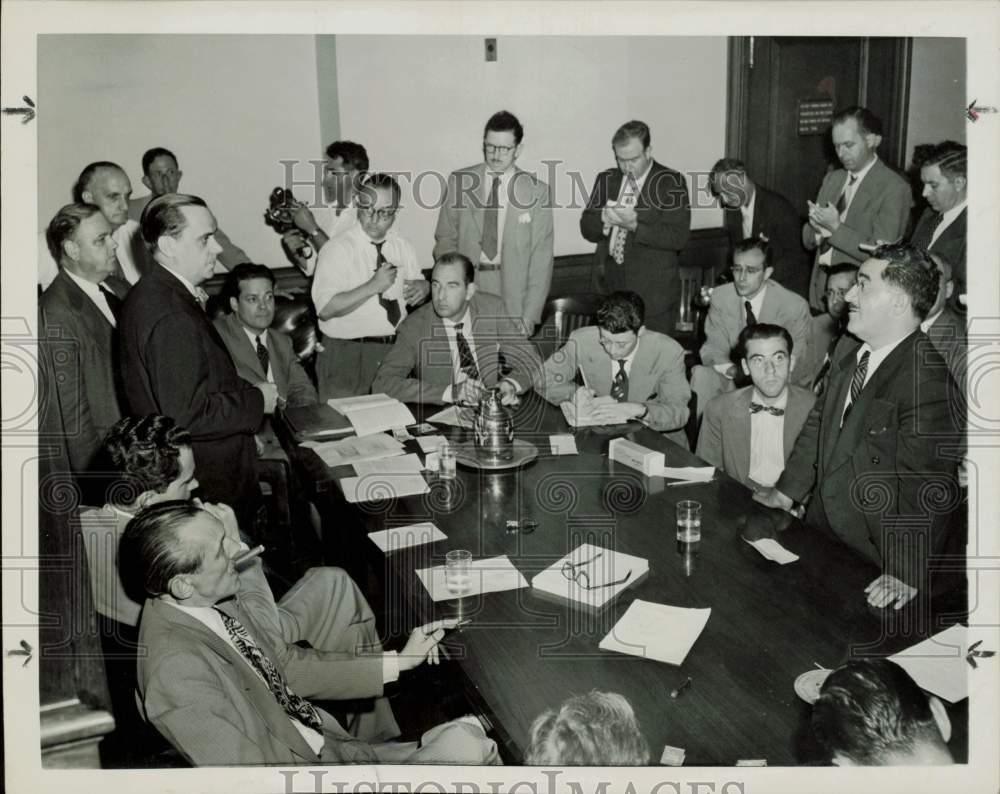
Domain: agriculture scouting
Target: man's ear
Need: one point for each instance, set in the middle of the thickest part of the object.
(147, 183)
(470, 290)
(180, 588)
(87, 196)
(180, 176)
(744, 367)
(791, 362)
(949, 289)
(233, 303)
(940, 717)
(768, 272)
(873, 140)
(166, 244)
(71, 249)
(961, 183)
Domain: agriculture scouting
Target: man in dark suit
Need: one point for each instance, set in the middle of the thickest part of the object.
(462, 342)
(945, 327)
(83, 304)
(175, 363)
(887, 429)
(639, 214)
(754, 211)
(827, 328)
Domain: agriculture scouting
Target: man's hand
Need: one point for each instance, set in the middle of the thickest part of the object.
(888, 589)
(423, 644)
(467, 392)
(384, 277)
(225, 515)
(303, 218)
(259, 444)
(415, 290)
(508, 393)
(270, 392)
(825, 217)
(530, 326)
(628, 218)
(617, 413)
(772, 497)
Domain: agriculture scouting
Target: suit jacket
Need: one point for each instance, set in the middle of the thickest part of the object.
(823, 334)
(950, 245)
(418, 368)
(776, 219)
(872, 480)
(231, 254)
(724, 438)
(949, 336)
(291, 379)
(727, 317)
(656, 377)
(879, 211)
(526, 245)
(88, 378)
(176, 364)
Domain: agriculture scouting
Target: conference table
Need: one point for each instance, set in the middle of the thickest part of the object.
(524, 652)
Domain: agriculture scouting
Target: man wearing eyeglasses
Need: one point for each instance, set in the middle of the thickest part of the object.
(827, 328)
(500, 217)
(366, 278)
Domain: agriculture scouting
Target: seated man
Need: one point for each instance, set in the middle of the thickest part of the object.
(945, 327)
(871, 713)
(749, 433)
(752, 297)
(459, 344)
(826, 329)
(596, 729)
(642, 369)
(224, 687)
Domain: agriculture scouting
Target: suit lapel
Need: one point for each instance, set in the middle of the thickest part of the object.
(736, 428)
(839, 382)
(795, 413)
(640, 387)
(100, 329)
(481, 193)
(244, 347)
(869, 188)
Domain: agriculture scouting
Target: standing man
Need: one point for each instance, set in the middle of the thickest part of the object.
(175, 364)
(827, 328)
(639, 214)
(862, 202)
(500, 217)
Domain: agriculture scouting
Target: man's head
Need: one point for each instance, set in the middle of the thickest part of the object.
(767, 357)
(751, 266)
(944, 176)
(160, 172)
(896, 288)
(730, 183)
(946, 284)
(180, 231)
(153, 460)
(871, 713)
(345, 167)
(856, 132)
(619, 320)
(452, 285)
(840, 279)
(250, 290)
(633, 153)
(378, 204)
(79, 238)
(502, 141)
(106, 185)
(596, 729)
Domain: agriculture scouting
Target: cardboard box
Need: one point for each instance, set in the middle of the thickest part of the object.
(635, 455)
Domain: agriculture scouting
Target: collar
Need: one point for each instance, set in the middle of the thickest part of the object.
(120, 511)
(780, 402)
(880, 355)
(92, 289)
(748, 209)
(863, 172)
(639, 180)
(197, 292)
(954, 212)
(252, 335)
(466, 321)
(931, 319)
(635, 350)
(757, 301)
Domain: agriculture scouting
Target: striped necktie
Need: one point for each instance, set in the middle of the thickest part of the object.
(857, 383)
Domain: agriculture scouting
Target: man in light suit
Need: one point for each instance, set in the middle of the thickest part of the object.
(639, 214)
(226, 689)
(459, 344)
(642, 369)
(863, 202)
(500, 217)
(888, 429)
(749, 433)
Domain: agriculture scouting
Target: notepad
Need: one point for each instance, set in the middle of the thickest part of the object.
(564, 444)
(579, 411)
(356, 449)
(601, 565)
(403, 464)
(454, 416)
(403, 537)
(491, 575)
(373, 413)
(656, 631)
(373, 487)
(772, 550)
(938, 663)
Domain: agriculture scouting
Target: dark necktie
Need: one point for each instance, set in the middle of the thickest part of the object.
(923, 240)
(391, 307)
(756, 408)
(619, 386)
(857, 383)
(262, 356)
(113, 301)
(751, 317)
(466, 362)
(295, 707)
(491, 218)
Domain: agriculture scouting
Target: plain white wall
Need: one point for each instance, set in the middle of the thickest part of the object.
(419, 103)
(229, 107)
(937, 92)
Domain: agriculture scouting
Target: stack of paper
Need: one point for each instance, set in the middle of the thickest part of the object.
(579, 411)
(656, 631)
(403, 537)
(373, 413)
(938, 664)
(485, 576)
(601, 566)
(563, 444)
(685, 473)
(375, 487)
(405, 464)
(355, 450)
(454, 416)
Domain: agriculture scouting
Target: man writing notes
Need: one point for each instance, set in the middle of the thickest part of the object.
(643, 370)
(639, 214)
(365, 280)
(459, 344)
(862, 202)
(886, 430)
(500, 217)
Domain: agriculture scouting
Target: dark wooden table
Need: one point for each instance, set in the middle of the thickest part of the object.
(524, 653)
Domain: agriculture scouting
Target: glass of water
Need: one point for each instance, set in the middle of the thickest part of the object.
(688, 521)
(457, 577)
(446, 462)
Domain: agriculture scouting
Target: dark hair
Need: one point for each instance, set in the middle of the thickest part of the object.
(762, 331)
(87, 176)
(912, 270)
(152, 154)
(754, 244)
(621, 311)
(950, 157)
(145, 452)
(151, 552)
(629, 130)
(842, 267)
(353, 154)
(596, 729)
(870, 709)
(455, 258)
(64, 225)
(867, 121)
(505, 121)
(243, 272)
(726, 165)
(366, 191)
(163, 216)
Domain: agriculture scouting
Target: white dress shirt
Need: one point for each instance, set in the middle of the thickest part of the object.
(48, 268)
(747, 215)
(449, 329)
(615, 366)
(931, 319)
(947, 218)
(849, 192)
(253, 336)
(756, 303)
(767, 445)
(93, 291)
(874, 361)
(505, 178)
(331, 224)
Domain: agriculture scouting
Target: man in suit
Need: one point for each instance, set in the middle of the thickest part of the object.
(887, 429)
(161, 174)
(750, 298)
(639, 214)
(945, 327)
(459, 344)
(862, 202)
(500, 217)
(751, 210)
(83, 304)
(749, 433)
(642, 369)
(827, 328)
(225, 688)
(176, 364)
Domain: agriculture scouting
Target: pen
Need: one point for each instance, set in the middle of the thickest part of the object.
(460, 623)
(689, 482)
(686, 683)
(248, 555)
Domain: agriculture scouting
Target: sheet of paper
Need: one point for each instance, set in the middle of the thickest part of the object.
(430, 443)
(601, 565)
(564, 444)
(454, 416)
(373, 413)
(491, 575)
(772, 550)
(346, 451)
(686, 473)
(404, 464)
(939, 665)
(579, 410)
(403, 537)
(373, 487)
(656, 631)
(343, 404)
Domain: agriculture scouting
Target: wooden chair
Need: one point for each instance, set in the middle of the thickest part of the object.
(563, 315)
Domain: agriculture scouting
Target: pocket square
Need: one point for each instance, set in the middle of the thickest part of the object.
(524, 217)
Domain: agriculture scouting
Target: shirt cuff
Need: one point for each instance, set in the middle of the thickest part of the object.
(390, 667)
(447, 396)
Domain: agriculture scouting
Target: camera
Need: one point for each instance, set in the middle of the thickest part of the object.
(278, 215)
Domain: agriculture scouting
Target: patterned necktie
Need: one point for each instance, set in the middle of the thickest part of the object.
(619, 233)
(756, 408)
(857, 383)
(201, 296)
(841, 208)
(391, 307)
(295, 707)
(619, 386)
(113, 301)
(466, 362)
(751, 317)
(491, 219)
(262, 356)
